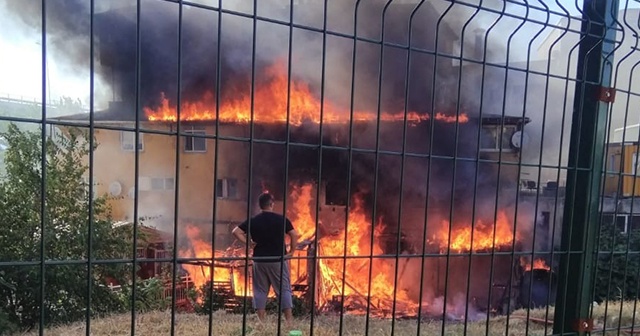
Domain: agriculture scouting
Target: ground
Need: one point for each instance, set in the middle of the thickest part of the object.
(159, 323)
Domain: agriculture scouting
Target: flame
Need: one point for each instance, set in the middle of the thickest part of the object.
(352, 285)
(461, 118)
(341, 278)
(537, 264)
(199, 249)
(270, 105)
(300, 215)
(485, 236)
(200, 274)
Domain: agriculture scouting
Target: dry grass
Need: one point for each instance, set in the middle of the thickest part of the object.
(159, 323)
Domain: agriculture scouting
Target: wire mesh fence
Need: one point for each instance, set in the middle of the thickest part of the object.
(447, 167)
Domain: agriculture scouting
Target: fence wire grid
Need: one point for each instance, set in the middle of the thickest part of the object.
(451, 167)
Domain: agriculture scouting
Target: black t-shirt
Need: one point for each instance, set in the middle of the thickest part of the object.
(268, 231)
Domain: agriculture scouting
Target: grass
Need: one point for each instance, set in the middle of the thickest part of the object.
(159, 323)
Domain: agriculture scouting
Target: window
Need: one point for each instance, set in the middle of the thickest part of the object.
(128, 138)
(612, 163)
(456, 53)
(336, 194)
(492, 139)
(636, 165)
(162, 183)
(160, 266)
(227, 188)
(623, 222)
(634, 223)
(195, 143)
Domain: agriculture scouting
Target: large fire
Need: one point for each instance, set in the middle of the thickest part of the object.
(270, 106)
(349, 282)
(483, 236)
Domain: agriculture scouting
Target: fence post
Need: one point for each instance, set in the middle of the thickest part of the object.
(588, 133)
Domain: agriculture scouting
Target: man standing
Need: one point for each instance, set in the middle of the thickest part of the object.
(267, 230)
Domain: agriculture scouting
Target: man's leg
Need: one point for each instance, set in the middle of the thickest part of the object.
(260, 285)
(282, 287)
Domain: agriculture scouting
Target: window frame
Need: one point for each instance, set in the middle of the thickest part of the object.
(224, 189)
(495, 132)
(190, 138)
(124, 134)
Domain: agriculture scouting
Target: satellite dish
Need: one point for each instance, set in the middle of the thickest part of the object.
(115, 188)
(519, 139)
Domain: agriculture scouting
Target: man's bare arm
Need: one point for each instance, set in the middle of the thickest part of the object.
(293, 234)
(240, 235)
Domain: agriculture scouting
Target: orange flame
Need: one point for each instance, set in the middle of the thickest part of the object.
(461, 118)
(537, 264)
(200, 249)
(270, 106)
(304, 223)
(485, 236)
(200, 274)
(340, 277)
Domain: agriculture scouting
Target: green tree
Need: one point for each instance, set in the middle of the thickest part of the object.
(66, 233)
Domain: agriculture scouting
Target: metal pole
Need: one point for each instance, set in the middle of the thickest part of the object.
(584, 170)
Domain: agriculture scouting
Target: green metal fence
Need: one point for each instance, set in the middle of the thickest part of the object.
(451, 167)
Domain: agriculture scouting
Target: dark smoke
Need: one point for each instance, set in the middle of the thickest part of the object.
(444, 153)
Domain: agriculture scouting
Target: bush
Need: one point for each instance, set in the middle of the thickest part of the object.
(7, 325)
(149, 296)
(616, 272)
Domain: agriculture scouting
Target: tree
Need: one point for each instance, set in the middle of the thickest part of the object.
(66, 233)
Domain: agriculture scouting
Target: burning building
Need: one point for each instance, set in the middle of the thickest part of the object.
(384, 161)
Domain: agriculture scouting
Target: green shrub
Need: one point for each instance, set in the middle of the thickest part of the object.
(149, 296)
(617, 272)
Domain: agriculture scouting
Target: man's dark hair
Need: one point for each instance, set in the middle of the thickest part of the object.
(265, 200)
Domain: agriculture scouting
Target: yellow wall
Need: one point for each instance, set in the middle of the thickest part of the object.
(618, 155)
(158, 160)
(630, 184)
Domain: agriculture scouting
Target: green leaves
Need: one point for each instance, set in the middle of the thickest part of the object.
(618, 264)
(67, 229)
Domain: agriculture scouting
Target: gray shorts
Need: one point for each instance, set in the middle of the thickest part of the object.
(266, 274)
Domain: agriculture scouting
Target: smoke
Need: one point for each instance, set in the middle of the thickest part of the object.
(362, 73)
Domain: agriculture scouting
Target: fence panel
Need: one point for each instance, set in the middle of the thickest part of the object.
(446, 167)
